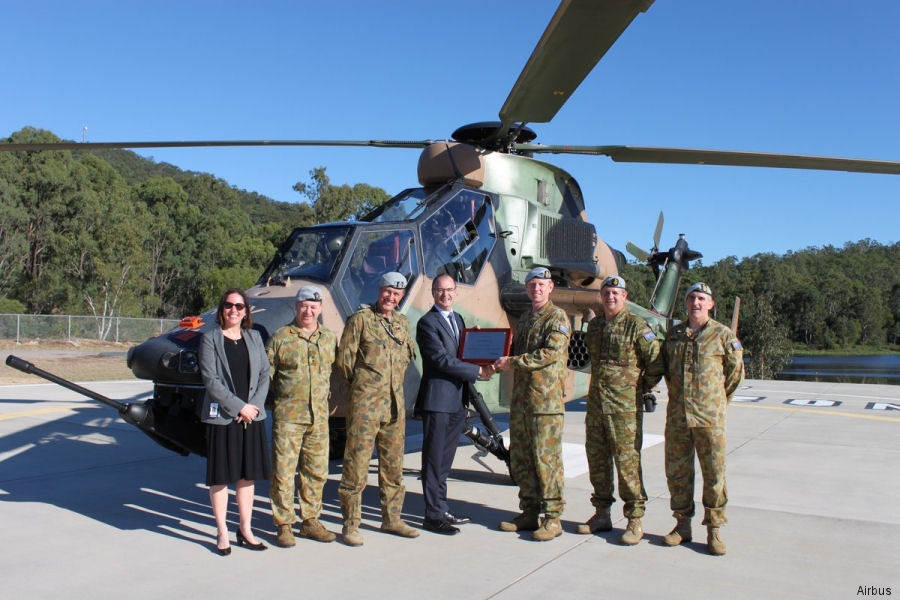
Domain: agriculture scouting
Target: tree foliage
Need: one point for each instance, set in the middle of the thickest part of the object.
(110, 233)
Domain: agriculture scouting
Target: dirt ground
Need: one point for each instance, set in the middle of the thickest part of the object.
(79, 360)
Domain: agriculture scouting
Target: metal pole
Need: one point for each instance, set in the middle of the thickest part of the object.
(70, 328)
(18, 319)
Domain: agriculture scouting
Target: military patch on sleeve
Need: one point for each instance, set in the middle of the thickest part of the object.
(564, 329)
(649, 336)
(736, 345)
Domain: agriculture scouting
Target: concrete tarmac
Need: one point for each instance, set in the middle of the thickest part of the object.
(91, 507)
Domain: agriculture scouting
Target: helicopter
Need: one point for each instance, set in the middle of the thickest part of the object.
(486, 211)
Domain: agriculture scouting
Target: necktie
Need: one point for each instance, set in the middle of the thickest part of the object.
(453, 328)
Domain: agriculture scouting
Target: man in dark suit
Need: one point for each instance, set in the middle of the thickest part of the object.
(441, 401)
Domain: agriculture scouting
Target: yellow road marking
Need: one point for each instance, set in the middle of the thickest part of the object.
(819, 411)
(43, 411)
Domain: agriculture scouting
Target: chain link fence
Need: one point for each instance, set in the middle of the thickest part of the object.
(70, 327)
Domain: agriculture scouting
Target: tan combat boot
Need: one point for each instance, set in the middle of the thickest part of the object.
(285, 537)
(525, 521)
(399, 528)
(601, 521)
(314, 530)
(681, 534)
(714, 544)
(549, 529)
(633, 532)
(351, 536)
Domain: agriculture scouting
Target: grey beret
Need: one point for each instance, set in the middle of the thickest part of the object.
(699, 287)
(394, 280)
(538, 273)
(309, 293)
(613, 281)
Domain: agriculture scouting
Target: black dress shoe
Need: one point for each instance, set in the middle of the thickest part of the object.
(456, 520)
(223, 551)
(439, 526)
(242, 541)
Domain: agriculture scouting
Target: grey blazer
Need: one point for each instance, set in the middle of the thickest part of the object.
(217, 376)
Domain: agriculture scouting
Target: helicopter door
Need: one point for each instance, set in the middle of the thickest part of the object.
(374, 254)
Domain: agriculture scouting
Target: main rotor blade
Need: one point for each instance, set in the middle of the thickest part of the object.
(205, 143)
(577, 37)
(688, 156)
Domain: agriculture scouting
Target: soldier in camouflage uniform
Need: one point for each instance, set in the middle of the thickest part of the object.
(375, 350)
(301, 356)
(704, 365)
(536, 413)
(625, 363)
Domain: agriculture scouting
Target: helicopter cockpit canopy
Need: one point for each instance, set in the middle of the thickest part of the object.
(374, 254)
(310, 253)
(458, 237)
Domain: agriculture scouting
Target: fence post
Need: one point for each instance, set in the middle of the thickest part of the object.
(70, 329)
(118, 320)
(18, 320)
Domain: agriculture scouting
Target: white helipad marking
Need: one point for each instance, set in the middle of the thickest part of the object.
(747, 398)
(575, 460)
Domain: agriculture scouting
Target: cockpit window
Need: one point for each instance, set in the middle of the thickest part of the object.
(310, 253)
(458, 237)
(375, 254)
(406, 205)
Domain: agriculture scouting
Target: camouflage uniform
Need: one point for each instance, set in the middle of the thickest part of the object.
(301, 373)
(536, 413)
(625, 363)
(702, 373)
(374, 363)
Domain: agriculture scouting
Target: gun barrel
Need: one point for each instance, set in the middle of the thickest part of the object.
(26, 367)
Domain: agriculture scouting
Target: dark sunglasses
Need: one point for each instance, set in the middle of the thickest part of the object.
(237, 305)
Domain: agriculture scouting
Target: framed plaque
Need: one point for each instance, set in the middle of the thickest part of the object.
(484, 346)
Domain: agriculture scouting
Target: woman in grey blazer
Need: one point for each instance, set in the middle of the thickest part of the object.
(235, 372)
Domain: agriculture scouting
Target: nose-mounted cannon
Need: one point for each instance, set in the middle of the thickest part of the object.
(180, 435)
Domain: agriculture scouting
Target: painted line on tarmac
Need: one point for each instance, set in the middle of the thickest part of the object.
(43, 411)
(808, 410)
(818, 411)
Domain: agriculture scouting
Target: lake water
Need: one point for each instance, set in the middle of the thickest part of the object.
(868, 368)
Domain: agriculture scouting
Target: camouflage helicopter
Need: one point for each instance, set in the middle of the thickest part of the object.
(485, 212)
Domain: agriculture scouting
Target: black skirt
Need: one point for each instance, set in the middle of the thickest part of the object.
(233, 453)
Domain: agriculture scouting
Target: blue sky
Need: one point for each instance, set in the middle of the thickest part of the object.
(809, 77)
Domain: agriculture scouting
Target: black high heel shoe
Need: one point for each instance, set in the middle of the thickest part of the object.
(223, 551)
(242, 541)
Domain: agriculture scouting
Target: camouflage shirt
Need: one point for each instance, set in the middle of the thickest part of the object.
(702, 372)
(301, 373)
(540, 350)
(625, 362)
(373, 355)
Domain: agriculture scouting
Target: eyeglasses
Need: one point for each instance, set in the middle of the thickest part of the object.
(439, 290)
(235, 305)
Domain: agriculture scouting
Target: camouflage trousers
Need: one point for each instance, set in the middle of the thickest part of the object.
(616, 437)
(682, 442)
(535, 461)
(304, 446)
(362, 436)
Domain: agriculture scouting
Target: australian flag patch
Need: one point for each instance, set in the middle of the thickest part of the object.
(649, 336)
(736, 345)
